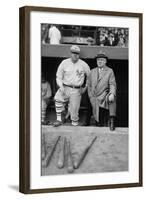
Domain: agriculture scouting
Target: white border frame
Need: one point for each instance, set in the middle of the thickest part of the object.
(36, 180)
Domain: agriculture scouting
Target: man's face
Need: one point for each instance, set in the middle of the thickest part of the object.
(101, 62)
(74, 57)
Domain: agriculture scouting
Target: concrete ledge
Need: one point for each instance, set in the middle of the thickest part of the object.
(89, 129)
(62, 50)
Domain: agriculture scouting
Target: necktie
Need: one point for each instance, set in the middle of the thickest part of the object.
(100, 70)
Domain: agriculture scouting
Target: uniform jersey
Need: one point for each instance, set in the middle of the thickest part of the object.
(54, 35)
(46, 90)
(70, 73)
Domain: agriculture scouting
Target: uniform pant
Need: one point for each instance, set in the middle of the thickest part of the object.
(71, 95)
(95, 108)
(44, 107)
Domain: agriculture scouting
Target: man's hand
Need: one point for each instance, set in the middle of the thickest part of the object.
(111, 98)
(62, 89)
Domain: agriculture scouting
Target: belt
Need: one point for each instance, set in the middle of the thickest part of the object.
(72, 86)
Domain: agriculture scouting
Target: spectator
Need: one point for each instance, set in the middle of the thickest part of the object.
(44, 33)
(111, 40)
(121, 42)
(102, 39)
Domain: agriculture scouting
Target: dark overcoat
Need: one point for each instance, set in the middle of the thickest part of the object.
(100, 86)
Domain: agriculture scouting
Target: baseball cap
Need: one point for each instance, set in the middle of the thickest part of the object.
(75, 49)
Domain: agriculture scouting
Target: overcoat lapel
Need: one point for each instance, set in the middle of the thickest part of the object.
(94, 78)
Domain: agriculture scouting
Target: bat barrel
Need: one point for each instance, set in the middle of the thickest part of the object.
(61, 158)
(70, 168)
(48, 157)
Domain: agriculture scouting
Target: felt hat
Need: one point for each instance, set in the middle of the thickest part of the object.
(101, 55)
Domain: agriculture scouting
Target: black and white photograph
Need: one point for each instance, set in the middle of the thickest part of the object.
(80, 99)
(84, 109)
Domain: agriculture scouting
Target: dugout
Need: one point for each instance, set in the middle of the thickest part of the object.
(52, 55)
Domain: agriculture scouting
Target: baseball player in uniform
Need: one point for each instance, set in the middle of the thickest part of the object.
(70, 78)
(54, 35)
(46, 94)
(102, 89)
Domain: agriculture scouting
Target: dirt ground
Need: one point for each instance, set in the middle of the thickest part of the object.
(109, 152)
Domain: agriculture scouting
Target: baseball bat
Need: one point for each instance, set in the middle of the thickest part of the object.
(49, 154)
(61, 157)
(70, 168)
(81, 157)
(43, 149)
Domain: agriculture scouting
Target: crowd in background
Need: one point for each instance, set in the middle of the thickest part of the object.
(101, 36)
(112, 37)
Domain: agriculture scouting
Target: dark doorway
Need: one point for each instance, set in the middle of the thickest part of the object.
(120, 68)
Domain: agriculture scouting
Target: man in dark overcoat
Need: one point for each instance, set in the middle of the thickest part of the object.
(102, 90)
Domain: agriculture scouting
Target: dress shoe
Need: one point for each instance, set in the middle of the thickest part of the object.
(46, 122)
(57, 123)
(98, 124)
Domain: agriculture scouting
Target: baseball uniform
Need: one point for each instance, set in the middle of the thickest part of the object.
(71, 76)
